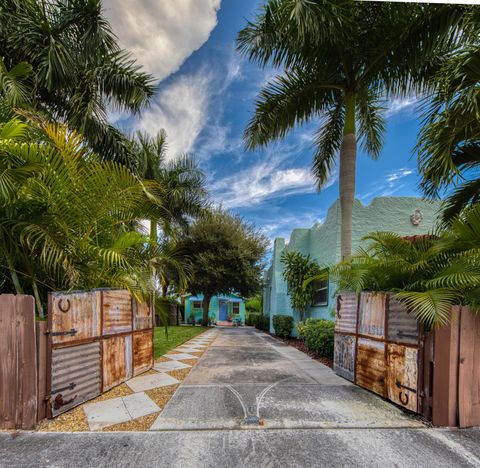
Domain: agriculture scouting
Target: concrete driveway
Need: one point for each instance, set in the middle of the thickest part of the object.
(252, 401)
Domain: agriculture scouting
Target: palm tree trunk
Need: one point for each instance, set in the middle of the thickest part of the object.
(153, 231)
(348, 159)
(206, 306)
(13, 275)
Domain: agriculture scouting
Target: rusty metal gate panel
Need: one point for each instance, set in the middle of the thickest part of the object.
(371, 365)
(142, 315)
(346, 313)
(402, 326)
(402, 375)
(116, 312)
(75, 316)
(142, 351)
(344, 357)
(75, 376)
(116, 360)
(371, 314)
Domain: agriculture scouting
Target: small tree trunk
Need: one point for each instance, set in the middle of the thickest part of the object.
(37, 299)
(206, 307)
(348, 159)
(13, 275)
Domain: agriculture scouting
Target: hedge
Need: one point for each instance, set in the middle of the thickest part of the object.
(283, 325)
(262, 322)
(318, 335)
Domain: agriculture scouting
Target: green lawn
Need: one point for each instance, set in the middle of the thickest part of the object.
(176, 336)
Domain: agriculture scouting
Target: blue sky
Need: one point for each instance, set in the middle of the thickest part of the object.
(206, 96)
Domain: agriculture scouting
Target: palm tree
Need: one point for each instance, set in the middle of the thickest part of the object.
(79, 70)
(449, 143)
(340, 60)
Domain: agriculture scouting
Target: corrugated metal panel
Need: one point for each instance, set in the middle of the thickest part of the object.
(371, 318)
(117, 312)
(117, 360)
(76, 314)
(75, 376)
(402, 326)
(142, 351)
(142, 315)
(346, 313)
(402, 375)
(344, 356)
(371, 365)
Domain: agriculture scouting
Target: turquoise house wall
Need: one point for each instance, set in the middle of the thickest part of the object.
(322, 243)
(214, 308)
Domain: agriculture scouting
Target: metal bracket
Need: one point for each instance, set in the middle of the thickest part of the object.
(59, 402)
(68, 387)
(400, 385)
(71, 332)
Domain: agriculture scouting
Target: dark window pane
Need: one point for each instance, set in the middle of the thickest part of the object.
(321, 293)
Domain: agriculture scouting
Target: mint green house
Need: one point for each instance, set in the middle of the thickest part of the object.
(406, 216)
(222, 308)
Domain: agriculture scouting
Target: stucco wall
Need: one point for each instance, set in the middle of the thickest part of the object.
(322, 242)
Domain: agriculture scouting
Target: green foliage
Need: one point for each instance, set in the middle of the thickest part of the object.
(298, 268)
(283, 325)
(318, 336)
(429, 275)
(449, 142)
(226, 255)
(251, 319)
(254, 304)
(262, 322)
(79, 71)
(68, 220)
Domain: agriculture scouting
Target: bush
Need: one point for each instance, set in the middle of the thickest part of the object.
(262, 322)
(251, 319)
(319, 336)
(283, 325)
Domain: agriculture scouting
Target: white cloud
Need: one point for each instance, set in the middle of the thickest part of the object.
(398, 106)
(162, 34)
(267, 179)
(181, 109)
(392, 183)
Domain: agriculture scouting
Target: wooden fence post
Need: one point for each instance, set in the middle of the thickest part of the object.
(18, 372)
(41, 370)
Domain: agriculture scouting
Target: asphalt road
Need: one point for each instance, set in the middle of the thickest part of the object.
(252, 401)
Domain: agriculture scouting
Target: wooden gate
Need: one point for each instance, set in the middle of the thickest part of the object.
(377, 346)
(98, 339)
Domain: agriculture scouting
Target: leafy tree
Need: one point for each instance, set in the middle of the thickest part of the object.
(340, 60)
(79, 70)
(226, 255)
(429, 275)
(254, 305)
(449, 143)
(298, 268)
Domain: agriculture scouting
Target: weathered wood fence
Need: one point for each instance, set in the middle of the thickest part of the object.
(381, 347)
(93, 341)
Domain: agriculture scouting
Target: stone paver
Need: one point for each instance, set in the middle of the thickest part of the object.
(185, 349)
(170, 366)
(180, 356)
(118, 410)
(147, 382)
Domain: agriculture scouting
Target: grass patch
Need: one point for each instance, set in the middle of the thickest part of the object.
(176, 336)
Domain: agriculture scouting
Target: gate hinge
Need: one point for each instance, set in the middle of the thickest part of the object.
(70, 332)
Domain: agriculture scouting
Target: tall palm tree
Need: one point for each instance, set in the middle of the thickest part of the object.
(340, 61)
(79, 70)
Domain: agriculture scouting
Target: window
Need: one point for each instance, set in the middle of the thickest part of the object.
(321, 293)
(197, 304)
(236, 308)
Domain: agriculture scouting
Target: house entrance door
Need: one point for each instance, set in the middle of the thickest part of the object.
(223, 314)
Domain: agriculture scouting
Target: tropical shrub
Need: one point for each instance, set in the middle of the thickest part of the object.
(298, 268)
(283, 325)
(251, 319)
(262, 322)
(319, 337)
(301, 326)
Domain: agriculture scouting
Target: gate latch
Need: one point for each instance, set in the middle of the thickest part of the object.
(400, 385)
(71, 332)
